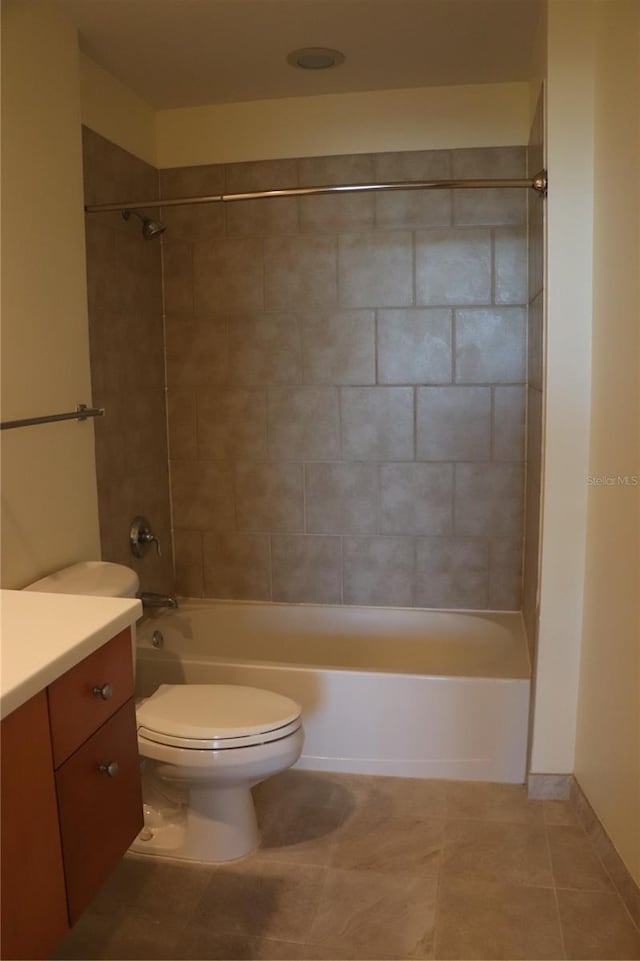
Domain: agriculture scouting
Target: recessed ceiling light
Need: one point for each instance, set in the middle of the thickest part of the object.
(315, 58)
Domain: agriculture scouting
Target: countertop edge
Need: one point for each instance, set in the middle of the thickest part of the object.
(26, 688)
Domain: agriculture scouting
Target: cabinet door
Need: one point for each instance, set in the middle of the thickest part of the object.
(100, 806)
(34, 907)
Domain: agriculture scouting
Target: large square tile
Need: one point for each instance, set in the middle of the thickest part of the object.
(496, 921)
(451, 572)
(454, 423)
(300, 272)
(490, 345)
(414, 346)
(341, 498)
(501, 851)
(202, 494)
(304, 423)
(196, 351)
(306, 569)
(575, 863)
(264, 349)
(596, 926)
(416, 498)
(269, 497)
(376, 269)
(237, 565)
(397, 845)
(453, 266)
(232, 423)
(377, 423)
(378, 571)
(266, 899)
(339, 347)
(488, 801)
(489, 500)
(364, 914)
(228, 275)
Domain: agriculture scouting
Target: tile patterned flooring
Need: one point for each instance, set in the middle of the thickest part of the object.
(355, 867)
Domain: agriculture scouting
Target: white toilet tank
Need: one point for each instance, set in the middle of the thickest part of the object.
(94, 578)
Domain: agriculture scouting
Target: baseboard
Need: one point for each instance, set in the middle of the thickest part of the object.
(613, 863)
(549, 787)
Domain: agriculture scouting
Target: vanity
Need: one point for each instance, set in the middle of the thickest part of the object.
(71, 796)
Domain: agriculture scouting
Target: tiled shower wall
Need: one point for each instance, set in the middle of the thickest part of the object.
(124, 281)
(346, 383)
(535, 162)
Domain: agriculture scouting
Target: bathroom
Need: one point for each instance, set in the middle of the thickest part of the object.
(341, 415)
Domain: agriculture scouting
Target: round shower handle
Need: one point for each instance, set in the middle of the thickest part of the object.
(104, 691)
(141, 535)
(110, 768)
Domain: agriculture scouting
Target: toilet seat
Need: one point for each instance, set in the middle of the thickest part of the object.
(209, 717)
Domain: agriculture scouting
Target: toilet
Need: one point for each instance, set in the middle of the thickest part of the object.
(203, 746)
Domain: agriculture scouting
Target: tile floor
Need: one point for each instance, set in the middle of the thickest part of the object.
(360, 868)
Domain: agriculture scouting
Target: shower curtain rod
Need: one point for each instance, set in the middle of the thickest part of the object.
(537, 183)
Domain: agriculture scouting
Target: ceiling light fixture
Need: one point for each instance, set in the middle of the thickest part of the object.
(315, 58)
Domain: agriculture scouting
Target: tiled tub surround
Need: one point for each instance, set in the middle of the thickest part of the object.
(346, 384)
(124, 282)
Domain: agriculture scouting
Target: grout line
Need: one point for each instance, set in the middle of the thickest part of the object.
(304, 498)
(453, 321)
(270, 558)
(555, 888)
(454, 481)
(415, 424)
(492, 423)
(492, 255)
(376, 346)
(414, 266)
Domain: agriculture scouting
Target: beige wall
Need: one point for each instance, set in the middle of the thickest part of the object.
(568, 351)
(418, 119)
(608, 731)
(488, 115)
(116, 112)
(49, 509)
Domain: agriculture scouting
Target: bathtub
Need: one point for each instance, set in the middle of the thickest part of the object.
(412, 693)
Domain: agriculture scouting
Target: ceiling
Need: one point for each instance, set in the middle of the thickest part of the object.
(178, 53)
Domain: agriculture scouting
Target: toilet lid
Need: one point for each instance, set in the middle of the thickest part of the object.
(207, 716)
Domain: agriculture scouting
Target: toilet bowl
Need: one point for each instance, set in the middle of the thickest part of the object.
(203, 747)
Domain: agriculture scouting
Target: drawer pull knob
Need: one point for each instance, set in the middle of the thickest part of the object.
(111, 769)
(104, 691)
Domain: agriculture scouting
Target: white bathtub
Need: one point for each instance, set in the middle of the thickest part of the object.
(384, 691)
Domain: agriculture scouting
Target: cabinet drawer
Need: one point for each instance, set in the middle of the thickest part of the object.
(100, 814)
(76, 706)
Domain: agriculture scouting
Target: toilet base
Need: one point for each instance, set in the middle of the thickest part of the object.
(216, 826)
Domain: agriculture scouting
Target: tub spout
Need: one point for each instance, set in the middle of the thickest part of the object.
(157, 600)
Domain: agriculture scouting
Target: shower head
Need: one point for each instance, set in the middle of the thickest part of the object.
(150, 228)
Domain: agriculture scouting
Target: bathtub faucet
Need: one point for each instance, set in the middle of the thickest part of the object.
(157, 600)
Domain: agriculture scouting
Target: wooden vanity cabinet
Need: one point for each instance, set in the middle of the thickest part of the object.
(34, 903)
(71, 797)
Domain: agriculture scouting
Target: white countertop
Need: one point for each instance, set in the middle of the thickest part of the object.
(44, 635)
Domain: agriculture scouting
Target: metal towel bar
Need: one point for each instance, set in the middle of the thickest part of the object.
(82, 412)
